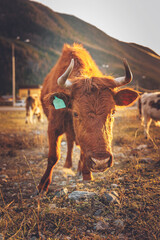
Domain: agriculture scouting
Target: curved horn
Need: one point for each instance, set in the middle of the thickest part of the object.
(126, 79)
(62, 80)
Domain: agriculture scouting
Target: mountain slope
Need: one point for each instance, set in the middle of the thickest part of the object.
(144, 62)
(48, 31)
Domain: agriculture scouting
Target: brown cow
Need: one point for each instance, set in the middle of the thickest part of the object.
(33, 109)
(82, 107)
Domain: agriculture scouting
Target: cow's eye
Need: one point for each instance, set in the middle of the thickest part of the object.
(75, 114)
(113, 112)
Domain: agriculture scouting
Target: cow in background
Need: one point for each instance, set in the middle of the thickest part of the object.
(80, 101)
(149, 109)
(33, 109)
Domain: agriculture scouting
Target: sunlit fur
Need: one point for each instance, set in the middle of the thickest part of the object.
(107, 131)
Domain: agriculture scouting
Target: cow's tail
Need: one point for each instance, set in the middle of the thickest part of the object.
(140, 107)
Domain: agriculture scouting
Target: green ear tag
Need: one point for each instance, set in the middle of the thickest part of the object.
(58, 103)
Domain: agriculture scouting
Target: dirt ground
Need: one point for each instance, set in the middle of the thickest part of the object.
(134, 177)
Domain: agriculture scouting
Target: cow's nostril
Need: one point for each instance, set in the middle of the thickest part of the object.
(100, 162)
(100, 165)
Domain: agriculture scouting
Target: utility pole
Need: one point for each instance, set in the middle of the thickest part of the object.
(14, 71)
(13, 75)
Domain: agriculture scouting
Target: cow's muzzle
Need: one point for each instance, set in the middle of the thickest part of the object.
(100, 165)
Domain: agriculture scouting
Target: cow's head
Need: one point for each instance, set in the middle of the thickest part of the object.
(92, 104)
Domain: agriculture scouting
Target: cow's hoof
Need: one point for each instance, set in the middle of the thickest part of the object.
(87, 177)
(39, 194)
(43, 188)
(35, 194)
(79, 173)
(66, 165)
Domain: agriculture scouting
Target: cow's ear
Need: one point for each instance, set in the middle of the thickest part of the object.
(125, 97)
(58, 100)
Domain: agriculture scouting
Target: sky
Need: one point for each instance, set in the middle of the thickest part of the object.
(135, 21)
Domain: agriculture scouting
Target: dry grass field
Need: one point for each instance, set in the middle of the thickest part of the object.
(134, 181)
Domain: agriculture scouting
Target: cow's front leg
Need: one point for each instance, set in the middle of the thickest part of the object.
(53, 157)
(70, 142)
(147, 123)
(83, 168)
(27, 116)
(31, 115)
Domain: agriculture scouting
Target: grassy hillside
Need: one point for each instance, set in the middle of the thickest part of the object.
(48, 31)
